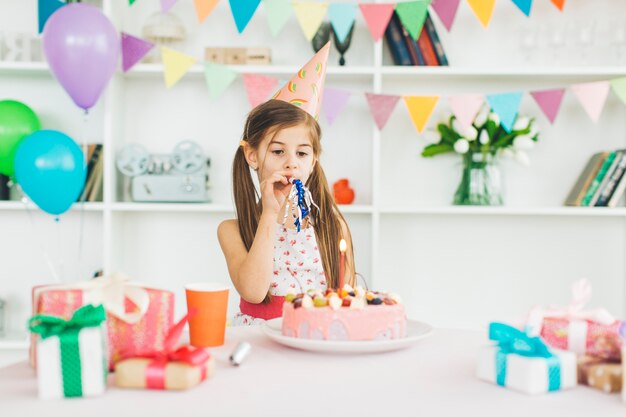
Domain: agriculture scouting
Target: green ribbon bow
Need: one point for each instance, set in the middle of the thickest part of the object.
(67, 331)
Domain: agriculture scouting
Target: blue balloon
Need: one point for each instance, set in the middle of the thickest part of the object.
(50, 168)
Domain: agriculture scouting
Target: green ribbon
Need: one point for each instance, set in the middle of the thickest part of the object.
(67, 331)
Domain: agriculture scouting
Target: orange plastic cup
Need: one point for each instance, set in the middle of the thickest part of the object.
(208, 325)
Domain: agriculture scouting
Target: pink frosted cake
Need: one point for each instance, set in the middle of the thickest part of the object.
(348, 315)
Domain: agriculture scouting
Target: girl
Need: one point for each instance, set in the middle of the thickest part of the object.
(266, 256)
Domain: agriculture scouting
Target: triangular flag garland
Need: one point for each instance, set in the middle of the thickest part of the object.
(258, 87)
(310, 16)
(483, 9)
(446, 10)
(559, 4)
(466, 107)
(334, 102)
(45, 9)
(242, 11)
(166, 5)
(420, 108)
(218, 78)
(342, 17)
(619, 88)
(204, 8)
(131, 2)
(381, 106)
(278, 13)
(133, 49)
(377, 17)
(592, 97)
(549, 101)
(505, 105)
(412, 15)
(175, 65)
(524, 5)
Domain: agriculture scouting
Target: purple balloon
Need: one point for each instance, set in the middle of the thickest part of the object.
(82, 48)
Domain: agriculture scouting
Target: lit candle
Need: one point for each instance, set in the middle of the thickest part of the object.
(342, 262)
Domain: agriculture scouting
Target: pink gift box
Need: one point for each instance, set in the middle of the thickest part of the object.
(129, 332)
(585, 336)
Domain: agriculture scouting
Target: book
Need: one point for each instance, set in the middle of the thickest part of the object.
(578, 191)
(434, 38)
(93, 152)
(593, 188)
(411, 45)
(395, 41)
(427, 49)
(613, 178)
(4, 187)
(95, 191)
(605, 178)
(618, 192)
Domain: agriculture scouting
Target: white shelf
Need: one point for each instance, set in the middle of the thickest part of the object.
(207, 208)
(278, 70)
(508, 211)
(18, 205)
(504, 71)
(24, 68)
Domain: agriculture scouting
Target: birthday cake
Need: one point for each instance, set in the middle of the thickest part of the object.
(349, 314)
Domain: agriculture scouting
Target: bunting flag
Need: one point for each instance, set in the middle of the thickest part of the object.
(333, 102)
(204, 8)
(524, 5)
(175, 64)
(278, 13)
(446, 10)
(45, 9)
(133, 49)
(483, 9)
(381, 106)
(412, 15)
(342, 17)
(549, 101)
(505, 105)
(420, 108)
(242, 11)
(131, 2)
(559, 4)
(166, 5)
(310, 16)
(258, 87)
(592, 96)
(218, 78)
(619, 88)
(466, 107)
(377, 17)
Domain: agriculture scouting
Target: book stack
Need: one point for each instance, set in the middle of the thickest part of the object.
(4, 187)
(95, 165)
(602, 182)
(427, 50)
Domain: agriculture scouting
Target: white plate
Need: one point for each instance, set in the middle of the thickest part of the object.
(416, 330)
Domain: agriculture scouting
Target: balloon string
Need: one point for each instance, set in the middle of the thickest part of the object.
(42, 246)
(84, 193)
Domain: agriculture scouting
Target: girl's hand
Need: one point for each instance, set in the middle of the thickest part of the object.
(274, 191)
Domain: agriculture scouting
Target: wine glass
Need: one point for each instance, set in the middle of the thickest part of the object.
(584, 34)
(617, 38)
(322, 36)
(342, 47)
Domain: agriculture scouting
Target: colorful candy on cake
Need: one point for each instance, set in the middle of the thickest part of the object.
(349, 314)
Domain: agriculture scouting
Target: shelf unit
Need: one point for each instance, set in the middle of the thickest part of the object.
(393, 226)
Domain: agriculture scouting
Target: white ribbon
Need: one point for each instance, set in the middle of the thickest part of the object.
(110, 291)
(581, 294)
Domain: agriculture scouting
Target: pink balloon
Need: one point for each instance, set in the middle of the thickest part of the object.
(82, 48)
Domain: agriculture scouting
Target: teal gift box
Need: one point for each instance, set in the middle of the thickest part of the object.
(71, 354)
(523, 363)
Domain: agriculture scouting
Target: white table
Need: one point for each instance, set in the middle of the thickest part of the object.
(435, 377)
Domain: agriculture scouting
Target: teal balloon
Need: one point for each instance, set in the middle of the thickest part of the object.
(17, 121)
(49, 166)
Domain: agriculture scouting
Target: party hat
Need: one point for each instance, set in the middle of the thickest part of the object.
(305, 89)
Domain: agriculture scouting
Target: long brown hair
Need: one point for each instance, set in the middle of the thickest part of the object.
(267, 119)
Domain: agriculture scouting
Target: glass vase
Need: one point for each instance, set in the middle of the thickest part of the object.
(481, 183)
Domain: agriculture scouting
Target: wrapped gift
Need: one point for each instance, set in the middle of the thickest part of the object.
(169, 368)
(592, 332)
(138, 317)
(525, 363)
(71, 353)
(600, 373)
